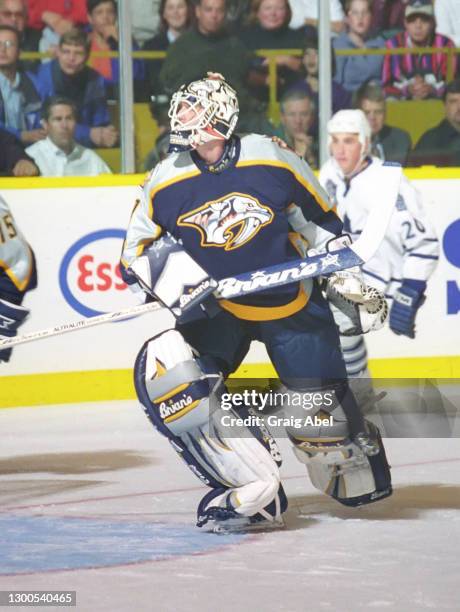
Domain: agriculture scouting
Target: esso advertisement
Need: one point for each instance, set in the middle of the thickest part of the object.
(89, 274)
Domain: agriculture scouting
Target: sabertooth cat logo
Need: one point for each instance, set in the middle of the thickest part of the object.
(229, 222)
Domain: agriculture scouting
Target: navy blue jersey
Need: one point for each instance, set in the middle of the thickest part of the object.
(241, 219)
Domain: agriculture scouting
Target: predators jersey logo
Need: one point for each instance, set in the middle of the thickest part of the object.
(229, 222)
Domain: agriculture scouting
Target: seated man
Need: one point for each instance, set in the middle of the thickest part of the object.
(208, 46)
(14, 13)
(387, 143)
(441, 145)
(59, 154)
(298, 112)
(69, 76)
(417, 76)
(54, 18)
(19, 99)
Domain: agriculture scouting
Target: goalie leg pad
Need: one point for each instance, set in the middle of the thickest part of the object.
(182, 402)
(344, 472)
(12, 316)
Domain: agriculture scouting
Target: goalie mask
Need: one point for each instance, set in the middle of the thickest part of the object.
(202, 111)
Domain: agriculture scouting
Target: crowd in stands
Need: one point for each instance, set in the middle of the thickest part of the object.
(58, 107)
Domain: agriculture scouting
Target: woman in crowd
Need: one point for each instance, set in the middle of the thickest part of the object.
(268, 29)
(175, 18)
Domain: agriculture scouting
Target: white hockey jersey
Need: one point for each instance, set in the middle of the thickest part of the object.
(16, 259)
(410, 248)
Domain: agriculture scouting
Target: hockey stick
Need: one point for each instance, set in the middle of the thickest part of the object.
(356, 254)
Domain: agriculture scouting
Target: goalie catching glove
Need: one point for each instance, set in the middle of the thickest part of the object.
(357, 307)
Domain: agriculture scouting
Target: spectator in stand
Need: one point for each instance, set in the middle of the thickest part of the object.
(59, 154)
(14, 161)
(145, 15)
(175, 19)
(305, 13)
(69, 76)
(268, 29)
(55, 18)
(441, 145)
(103, 36)
(309, 84)
(20, 102)
(447, 13)
(208, 47)
(387, 143)
(59, 15)
(388, 16)
(14, 14)
(417, 76)
(354, 70)
(297, 118)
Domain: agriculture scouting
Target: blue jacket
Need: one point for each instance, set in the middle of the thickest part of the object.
(92, 110)
(31, 108)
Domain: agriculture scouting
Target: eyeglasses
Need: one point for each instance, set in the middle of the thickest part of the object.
(8, 44)
(12, 14)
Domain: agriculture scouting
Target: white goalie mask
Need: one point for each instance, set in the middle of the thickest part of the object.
(351, 122)
(202, 111)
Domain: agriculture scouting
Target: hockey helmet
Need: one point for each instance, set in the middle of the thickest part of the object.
(352, 122)
(202, 111)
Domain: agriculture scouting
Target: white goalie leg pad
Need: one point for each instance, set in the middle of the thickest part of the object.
(184, 404)
(345, 469)
(256, 473)
(177, 388)
(345, 473)
(336, 465)
(244, 466)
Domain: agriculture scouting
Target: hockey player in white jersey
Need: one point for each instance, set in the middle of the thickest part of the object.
(219, 206)
(407, 256)
(17, 276)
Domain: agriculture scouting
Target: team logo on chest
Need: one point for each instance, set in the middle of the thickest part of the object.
(228, 222)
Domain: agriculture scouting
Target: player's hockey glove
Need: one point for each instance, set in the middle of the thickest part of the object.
(166, 272)
(11, 317)
(406, 302)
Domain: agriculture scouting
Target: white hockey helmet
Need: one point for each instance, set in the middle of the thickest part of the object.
(351, 122)
(202, 111)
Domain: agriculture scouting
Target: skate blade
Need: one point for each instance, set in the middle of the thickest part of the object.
(241, 527)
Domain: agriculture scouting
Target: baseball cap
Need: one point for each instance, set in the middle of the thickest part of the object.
(419, 7)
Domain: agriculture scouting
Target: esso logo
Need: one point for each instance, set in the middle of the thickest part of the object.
(89, 275)
(451, 246)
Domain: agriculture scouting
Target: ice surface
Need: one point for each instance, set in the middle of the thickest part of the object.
(94, 500)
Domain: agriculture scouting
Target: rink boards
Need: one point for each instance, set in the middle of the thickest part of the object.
(76, 228)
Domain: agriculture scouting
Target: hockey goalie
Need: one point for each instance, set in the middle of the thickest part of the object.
(222, 204)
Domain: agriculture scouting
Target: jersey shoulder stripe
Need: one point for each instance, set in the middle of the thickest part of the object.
(174, 169)
(259, 150)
